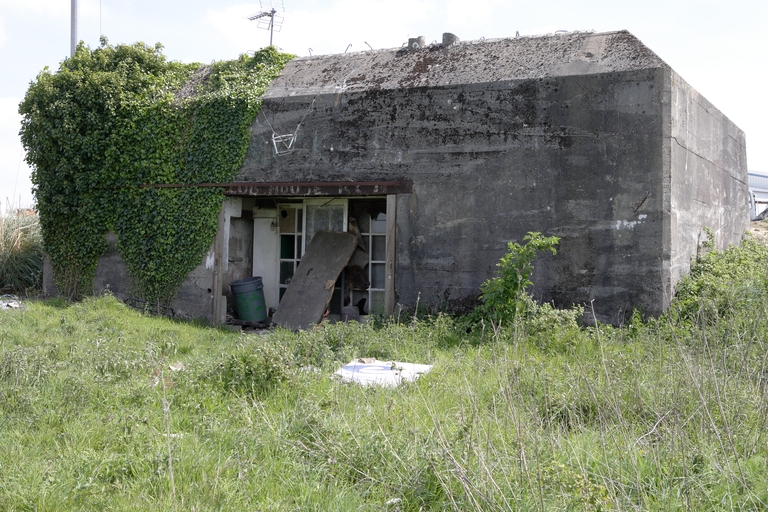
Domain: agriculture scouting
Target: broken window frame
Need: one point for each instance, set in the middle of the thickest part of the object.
(375, 235)
(289, 241)
(375, 241)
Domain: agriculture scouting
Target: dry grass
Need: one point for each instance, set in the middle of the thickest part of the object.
(21, 253)
(759, 230)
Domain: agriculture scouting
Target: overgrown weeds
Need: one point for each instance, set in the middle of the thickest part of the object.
(21, 253)
(722, 284)
(100, 404)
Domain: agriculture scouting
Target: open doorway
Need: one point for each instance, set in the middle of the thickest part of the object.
(283, 228)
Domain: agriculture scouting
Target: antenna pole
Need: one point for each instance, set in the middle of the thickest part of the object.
(73, 39)
(273, 20)
(271, 24)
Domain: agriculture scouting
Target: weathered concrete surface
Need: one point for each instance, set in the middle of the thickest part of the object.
(194, 300)
(111, 273)
(707, 175)
(467, 62)
(49, 283)
(570, 135)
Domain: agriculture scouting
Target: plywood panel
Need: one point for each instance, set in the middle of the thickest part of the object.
(311, 288)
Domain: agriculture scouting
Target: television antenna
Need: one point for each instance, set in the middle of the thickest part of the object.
(269, 18)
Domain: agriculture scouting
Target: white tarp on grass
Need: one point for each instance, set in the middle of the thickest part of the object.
(370, 372)
(10, 302)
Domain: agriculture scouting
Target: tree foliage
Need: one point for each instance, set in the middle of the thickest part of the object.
(113, 123)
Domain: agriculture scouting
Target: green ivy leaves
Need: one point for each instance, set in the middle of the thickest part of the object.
(114, 121)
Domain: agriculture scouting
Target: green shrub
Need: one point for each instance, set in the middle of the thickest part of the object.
(256, 368)
(578, 489)
(552, 329)
(724, 283)
(502, 296)
(21, 254)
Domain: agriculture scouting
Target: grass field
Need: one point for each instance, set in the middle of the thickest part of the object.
(103, 408)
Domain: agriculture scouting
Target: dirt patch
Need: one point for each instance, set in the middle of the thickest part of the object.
(759, 230)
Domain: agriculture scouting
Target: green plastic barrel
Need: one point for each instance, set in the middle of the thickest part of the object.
(248, 295)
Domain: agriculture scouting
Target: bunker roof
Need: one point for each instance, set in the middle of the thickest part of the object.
(466, 62)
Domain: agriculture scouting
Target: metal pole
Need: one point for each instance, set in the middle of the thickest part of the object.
(73, 40)
(271, 25)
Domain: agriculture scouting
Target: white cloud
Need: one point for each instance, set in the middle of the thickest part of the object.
(15, 184)
(3, 33)
(52, 8)
(330, 27)
(56, 8)
(483, 13)
(9, 114)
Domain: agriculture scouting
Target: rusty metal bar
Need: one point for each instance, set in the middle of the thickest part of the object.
(333, 188)
(315, 188)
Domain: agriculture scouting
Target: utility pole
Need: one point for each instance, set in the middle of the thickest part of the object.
(73, 39)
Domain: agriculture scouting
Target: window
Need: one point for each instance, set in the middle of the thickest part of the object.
(290, 225)
(373, 231)
(324, 215)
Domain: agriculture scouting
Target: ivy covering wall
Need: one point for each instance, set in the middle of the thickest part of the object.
(113, 123)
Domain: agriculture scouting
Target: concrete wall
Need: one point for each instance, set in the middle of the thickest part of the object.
(707, 177)
(111, 273)
(194, 300)
(579, 157)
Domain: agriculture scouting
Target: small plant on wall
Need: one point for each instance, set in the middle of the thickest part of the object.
(503, 296)
(119, 139)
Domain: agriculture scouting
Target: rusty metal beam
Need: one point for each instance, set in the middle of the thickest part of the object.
(320, 188)
(301, 189)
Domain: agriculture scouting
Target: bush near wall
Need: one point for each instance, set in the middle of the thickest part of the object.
(114, 123)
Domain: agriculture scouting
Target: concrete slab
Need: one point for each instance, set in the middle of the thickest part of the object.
(306, 298)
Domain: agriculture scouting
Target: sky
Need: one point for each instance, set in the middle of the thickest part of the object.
(717, 46)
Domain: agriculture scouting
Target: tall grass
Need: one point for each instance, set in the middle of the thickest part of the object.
(21, 253)
(664, 414)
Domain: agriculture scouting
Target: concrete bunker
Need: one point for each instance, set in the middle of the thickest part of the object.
(457, 149)
(587, 136)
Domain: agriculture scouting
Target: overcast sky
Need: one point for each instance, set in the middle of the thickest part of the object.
(717, 46)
